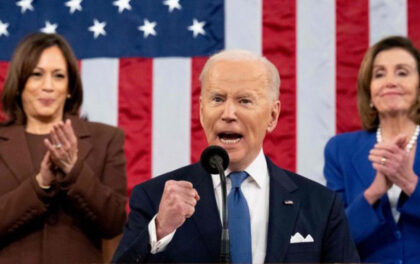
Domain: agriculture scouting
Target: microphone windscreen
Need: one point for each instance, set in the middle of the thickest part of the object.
(210, 155)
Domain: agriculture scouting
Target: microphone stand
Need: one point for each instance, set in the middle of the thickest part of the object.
(224, 250)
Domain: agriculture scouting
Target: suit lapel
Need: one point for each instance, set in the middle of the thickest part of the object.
(360, 160)
(83, 135)
(206, 216)
(14, 152)
(282, 217)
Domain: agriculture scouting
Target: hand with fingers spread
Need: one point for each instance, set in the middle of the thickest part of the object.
(395, 163)
(62, 146)
(177, 204)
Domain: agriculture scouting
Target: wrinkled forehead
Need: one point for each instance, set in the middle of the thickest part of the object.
(394, 56)
(236, 71)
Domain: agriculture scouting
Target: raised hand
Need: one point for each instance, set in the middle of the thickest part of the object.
(45, 176)
(177, 204)
(393, 161)
(63, 146)
(379, 187)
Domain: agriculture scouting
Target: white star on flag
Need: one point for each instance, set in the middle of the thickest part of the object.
(148, 28)
(74, 5)
(122, 5)
(25, 5)
(172, 4)
(49, 28)
(3, 29)
(197, 27)
(98, 28)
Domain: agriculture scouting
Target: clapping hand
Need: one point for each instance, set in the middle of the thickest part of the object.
(62, 146)
(45, 176)
(392, 160)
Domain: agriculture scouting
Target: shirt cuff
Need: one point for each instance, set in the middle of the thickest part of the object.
(158, 246)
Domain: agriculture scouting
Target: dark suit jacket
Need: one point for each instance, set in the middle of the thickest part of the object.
(316, 211)
(378, 237)
(66, 224)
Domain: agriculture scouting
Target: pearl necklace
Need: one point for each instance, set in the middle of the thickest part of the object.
(410, 144)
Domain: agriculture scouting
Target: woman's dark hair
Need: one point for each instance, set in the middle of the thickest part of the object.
(24, 61)
(368, 114)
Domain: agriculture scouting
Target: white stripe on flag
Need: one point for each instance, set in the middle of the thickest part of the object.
(171, 114)
(387, 18)
(243, 25)
(100, 90)
(315, 84)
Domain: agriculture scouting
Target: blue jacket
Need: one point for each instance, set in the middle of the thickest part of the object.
(316, 211)
(379, 239)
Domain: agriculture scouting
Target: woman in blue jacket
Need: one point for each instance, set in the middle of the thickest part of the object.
(376, 169)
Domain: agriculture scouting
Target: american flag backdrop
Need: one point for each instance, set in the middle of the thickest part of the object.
(140, 61)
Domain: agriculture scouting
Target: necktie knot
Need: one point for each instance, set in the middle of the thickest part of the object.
(237, 178)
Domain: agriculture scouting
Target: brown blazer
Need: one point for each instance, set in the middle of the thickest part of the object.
(67, 223)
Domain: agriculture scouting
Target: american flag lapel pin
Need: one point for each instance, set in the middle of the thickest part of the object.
(288, 202)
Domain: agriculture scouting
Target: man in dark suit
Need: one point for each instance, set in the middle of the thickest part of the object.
(274, 215)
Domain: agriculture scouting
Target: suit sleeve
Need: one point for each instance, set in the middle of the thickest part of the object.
(134, 246)
(100, 199)
(22, 205)
(338, 245)
(363, 218)
(410, 205)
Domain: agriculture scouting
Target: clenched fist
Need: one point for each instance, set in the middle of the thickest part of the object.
(177, 204)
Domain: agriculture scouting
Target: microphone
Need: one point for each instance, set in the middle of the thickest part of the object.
(212, 156)
(215, 159)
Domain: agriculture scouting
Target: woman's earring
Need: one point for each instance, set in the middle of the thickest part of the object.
(371, 105)
(68, 96)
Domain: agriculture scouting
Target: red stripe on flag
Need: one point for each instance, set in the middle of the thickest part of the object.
(135, 117)
(413, 7)
(279, 46)
(4, 66)
(198, 138)
(352, 26)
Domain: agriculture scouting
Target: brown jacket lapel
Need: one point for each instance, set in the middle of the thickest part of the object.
(14, 151)
(83, 135)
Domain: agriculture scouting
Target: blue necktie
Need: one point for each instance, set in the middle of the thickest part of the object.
(239, 221)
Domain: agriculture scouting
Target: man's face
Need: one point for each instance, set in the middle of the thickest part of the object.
(237, 109)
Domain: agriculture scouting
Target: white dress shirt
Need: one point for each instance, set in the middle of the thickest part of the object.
(256, 191)
(393, 196)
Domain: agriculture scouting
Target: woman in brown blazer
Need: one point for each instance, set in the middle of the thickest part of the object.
(62, 179)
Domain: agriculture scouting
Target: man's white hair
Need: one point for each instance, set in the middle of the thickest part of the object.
(245, 55)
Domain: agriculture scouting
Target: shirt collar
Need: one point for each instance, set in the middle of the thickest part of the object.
(257, 172)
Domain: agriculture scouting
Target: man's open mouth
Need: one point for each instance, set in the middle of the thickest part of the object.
(229, 138)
